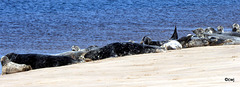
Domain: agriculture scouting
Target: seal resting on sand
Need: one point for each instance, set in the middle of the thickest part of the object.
(75, 48)
(199, 32)
(220, 29)
(210, 30)
(203, 38)
(191, 41)
(210, 39)
(72, 54)
(76, 54)
(37, 61)
(197, 42)
(172, 45)
(121, 49)
(235, 28)
(9, 67)
(185, 40)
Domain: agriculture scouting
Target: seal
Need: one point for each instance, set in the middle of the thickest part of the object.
(148, 41)
(235, 28)
(207, 38)
(93, 47)
(172, 45)
(210, 30)
(193, 41)
(75, 48)
(199, 32)
(210, 39)
(220, 29)
(197, 42)
(72, 54)
(37, 61)
(9, 67)
(121, 49)
(227, 38)
(76, 54)
(216, 41)
(184, 40)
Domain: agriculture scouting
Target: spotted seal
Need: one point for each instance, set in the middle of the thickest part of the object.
(220, 29)
(75, 48)
(235, 28)
(210, 30)
(75, 53)
(199, 32)
(210, 39)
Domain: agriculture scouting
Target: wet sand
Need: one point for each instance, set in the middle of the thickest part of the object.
(201, 66)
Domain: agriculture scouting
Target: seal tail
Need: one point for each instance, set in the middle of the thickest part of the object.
(175, 34)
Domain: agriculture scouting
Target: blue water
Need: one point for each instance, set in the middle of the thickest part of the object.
(53, 26)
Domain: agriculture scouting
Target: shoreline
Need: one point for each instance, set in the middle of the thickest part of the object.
(198, 66)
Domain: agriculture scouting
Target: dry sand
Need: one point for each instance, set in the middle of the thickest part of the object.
(202, 66)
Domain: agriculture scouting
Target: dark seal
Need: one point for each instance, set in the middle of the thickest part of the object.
(121, 49)
(37, 61)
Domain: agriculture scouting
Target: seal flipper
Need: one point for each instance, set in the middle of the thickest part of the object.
(175, 35)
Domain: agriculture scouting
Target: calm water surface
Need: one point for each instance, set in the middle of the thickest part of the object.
(53, 26)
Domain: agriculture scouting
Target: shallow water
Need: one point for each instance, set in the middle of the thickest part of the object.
(49, 27)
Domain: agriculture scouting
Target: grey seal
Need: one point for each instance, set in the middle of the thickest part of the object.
(220, 29)
(9, 67)
(235, 28)
(121, 49)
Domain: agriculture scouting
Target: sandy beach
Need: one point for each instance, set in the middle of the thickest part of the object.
(200, 66)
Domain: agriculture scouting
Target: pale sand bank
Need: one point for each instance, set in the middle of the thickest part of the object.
(201, 66)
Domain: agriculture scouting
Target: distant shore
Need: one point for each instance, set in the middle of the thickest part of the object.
(199, 66)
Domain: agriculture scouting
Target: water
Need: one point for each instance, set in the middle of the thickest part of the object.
(48, 27)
